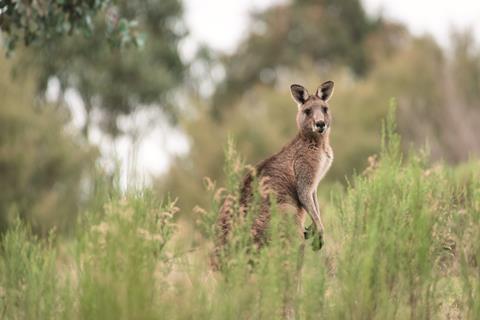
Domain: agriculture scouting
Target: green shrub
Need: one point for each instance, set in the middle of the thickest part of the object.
(402, 241)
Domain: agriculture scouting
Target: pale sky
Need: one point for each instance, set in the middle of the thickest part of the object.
(436, 17)
(221, 24)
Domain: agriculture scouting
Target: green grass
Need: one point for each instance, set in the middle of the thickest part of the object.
(402, 242)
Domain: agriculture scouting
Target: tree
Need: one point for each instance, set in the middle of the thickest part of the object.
(38, 21)
(42, 166)
(117, 82)
(432, 108)
(466, 66)
(328, 32)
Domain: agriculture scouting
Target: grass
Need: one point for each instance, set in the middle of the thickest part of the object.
(402, 242)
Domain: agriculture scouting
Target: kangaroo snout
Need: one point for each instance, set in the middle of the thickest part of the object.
(320, 126)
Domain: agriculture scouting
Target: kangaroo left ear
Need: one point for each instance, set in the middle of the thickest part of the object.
(325, 90)
(299, 93)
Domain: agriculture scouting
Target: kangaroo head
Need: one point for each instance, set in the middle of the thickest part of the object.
(313, 116)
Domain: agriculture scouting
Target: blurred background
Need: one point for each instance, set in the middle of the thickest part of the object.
(146, 92)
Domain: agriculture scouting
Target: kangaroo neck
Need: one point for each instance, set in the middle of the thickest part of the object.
(314, 140)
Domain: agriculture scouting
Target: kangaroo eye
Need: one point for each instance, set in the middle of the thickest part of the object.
(325, 109)
(307, 112)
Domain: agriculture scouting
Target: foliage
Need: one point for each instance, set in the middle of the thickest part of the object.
(427, 83)
(112, 83)
(39, 21)
(466, 66)
(42, 166)
(113, 262)
(401, 242)
(284, 36)
(402, 236)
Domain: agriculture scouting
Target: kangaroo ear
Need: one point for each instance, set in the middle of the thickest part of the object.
(325, 90)
(299, 93)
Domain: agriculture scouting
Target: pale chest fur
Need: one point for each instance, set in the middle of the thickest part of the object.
(323, 163)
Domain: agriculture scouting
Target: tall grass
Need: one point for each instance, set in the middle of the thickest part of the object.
(402, 242)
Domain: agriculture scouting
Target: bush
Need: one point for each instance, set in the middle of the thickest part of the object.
(402, 241)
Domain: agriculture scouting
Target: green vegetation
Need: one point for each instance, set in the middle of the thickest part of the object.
(434, 89)
(34, 22)
(43, 166)
(402, 235)
(117, 82)
(402, 241)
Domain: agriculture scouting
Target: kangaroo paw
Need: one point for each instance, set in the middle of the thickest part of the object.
(317, 242)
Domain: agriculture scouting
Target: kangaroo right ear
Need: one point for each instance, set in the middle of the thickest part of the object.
(325, 90)
(299, 93)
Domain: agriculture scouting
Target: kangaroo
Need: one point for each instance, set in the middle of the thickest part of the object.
(293, 173)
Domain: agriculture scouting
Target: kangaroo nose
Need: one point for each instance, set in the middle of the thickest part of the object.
(320, 125)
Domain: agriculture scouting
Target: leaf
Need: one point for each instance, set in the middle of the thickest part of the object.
(140, 40)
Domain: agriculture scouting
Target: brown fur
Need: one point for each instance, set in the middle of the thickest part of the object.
(293, 173)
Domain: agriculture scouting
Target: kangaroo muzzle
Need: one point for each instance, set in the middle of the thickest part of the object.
(320, 126)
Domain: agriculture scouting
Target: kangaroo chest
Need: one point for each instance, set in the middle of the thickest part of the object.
(323, 163)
